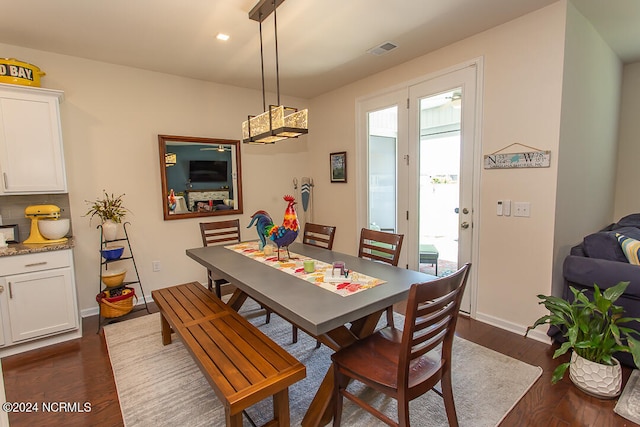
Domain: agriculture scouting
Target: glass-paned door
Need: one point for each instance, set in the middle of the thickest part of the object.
(442, 116)
(382, 165)
(417, 159)
(383, 123)
(439, 182)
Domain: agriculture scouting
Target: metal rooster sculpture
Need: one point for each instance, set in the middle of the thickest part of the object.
(282, 235)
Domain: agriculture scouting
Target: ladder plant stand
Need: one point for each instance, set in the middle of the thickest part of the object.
(121, 303)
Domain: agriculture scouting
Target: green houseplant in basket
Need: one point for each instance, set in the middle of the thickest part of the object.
(594, 329)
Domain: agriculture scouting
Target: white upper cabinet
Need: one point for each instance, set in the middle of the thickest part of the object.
(31, 154)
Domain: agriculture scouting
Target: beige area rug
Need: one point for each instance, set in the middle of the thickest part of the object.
(162, 386)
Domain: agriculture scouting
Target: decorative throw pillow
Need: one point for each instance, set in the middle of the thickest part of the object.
(604, 245)
(630, 247)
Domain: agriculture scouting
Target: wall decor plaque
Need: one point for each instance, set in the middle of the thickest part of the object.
(528, 159)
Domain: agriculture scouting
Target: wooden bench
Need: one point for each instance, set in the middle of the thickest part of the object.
(242, 364)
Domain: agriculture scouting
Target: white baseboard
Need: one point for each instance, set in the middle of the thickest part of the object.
(537, 334)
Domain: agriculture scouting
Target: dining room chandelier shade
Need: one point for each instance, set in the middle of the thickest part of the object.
(275, 125)
(278, 122)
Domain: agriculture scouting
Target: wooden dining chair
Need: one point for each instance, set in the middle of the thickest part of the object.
(221, 233)
(383, 247)
(380, 246)
(405, 364)
(319, 235)
(322, 237)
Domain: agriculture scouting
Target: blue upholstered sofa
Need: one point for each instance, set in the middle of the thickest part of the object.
(599, 259)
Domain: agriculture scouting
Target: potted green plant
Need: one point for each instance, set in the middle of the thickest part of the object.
(594, 330)
(110, 211)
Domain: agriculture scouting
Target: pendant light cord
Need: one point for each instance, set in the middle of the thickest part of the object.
(275, 26)
(264, 102)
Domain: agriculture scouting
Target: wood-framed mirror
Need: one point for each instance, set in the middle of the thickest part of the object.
(200, 176)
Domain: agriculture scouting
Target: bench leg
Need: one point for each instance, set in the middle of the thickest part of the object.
(281, 408)
(166, 330)
(233, 420)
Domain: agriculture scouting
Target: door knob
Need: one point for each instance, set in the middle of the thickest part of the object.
(464, 225)
(1, 289)
(465, 210)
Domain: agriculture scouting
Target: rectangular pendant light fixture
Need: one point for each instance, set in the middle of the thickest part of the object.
(279, 122)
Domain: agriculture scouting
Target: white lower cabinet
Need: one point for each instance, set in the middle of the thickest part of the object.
(41, 303)
(37, 300)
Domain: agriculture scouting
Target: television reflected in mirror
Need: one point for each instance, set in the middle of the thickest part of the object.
(210, 171)
(200, 176)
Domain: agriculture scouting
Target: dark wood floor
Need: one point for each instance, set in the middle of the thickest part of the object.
(79, 371)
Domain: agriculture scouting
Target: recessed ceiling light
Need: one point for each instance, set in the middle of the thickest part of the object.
(223, 37)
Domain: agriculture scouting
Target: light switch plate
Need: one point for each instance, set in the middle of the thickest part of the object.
(522, 209)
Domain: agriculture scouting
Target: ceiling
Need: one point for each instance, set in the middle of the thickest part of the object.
(322, 44)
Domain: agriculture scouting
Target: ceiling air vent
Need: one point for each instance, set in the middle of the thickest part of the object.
(382, 49)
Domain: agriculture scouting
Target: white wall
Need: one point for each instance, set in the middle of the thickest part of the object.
(588, 138)
(522, 99)
(111, 118)
(627, 200)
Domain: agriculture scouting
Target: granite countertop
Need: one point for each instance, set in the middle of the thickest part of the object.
(23, 249)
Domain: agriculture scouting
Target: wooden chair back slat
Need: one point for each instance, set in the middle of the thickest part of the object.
(380, 246)
(319, 235)
(219, 232)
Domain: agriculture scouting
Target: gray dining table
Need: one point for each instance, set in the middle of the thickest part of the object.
(337, 321)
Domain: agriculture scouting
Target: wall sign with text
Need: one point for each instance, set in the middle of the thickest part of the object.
(531, 159)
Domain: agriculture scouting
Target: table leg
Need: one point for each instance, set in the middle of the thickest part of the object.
(320, 411)
(237, 299)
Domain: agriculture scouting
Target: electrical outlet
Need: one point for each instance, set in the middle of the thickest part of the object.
(155, 265)
(522, 209)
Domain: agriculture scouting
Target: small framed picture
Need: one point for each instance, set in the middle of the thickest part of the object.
(338, 164)
(10, 233)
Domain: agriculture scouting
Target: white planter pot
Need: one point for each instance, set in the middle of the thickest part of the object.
(598, 380)
(109, 230)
